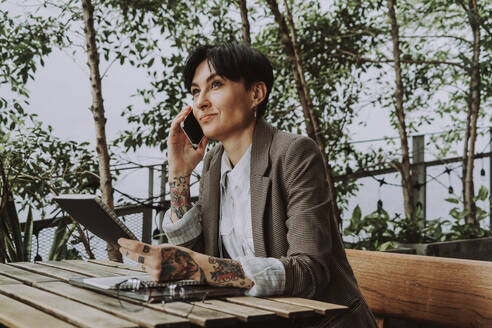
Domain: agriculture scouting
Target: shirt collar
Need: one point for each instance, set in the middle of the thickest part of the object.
(242, 167)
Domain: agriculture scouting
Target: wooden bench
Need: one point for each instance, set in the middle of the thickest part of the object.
(443, 291)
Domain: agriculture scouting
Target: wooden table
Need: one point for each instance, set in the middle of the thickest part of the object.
(38, 295)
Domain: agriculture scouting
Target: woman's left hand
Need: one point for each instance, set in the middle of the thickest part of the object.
(164, 262)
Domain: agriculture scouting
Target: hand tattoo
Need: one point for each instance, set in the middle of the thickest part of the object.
(225, 270)
(177, 265)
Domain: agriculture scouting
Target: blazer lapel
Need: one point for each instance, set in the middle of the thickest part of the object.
(260, 184)
(210, 206)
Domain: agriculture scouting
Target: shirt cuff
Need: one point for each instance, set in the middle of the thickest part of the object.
(187, 228)
(267, 273)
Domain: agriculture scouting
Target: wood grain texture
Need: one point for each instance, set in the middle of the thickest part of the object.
(442, 290)
(283, 310)
(145, 317)
(13, 315)
(80, 268)
(23, 275)
(4, 280)
(318, 306)
(63, 308)
(197, 315)
(47, 271)
(243, 313)
(95, 266)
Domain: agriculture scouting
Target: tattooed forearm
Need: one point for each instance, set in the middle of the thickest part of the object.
(178, 264)
(225, 271)
(180, 196)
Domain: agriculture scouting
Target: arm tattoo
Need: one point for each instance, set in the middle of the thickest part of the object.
(226, 271)
(177, 265)
(180, 196)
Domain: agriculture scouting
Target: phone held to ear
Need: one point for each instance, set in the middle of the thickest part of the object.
(192, 129)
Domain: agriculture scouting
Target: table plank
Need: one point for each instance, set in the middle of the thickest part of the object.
(117, 265)
(197, 315)
(63, 308)
(95, 266)
(284, 310)
(23, 275)
(318, 306)
(4, 280)
(80, 268)
(243, 313)
(48, 271)
(146, 317)
(13, 314)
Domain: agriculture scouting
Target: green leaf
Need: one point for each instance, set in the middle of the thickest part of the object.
(356, 214)
(57, 240)
(58, 249)
(28, 230)
(386, 245)
(13, 219)
(483, 193)
(452, 200)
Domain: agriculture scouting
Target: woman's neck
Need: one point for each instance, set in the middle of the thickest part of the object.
(236, 146)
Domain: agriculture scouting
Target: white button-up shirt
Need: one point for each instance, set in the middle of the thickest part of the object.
(235, 206)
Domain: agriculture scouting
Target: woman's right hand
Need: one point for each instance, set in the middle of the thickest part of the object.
(182, 157)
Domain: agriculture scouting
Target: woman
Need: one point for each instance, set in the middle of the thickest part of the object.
(262, 221)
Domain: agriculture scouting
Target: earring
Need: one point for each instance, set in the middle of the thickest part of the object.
(254, 111)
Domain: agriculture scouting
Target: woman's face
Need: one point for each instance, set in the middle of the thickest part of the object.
(223, 108)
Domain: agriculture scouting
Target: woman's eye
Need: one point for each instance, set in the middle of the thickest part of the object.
(216, 84)
(194, 92)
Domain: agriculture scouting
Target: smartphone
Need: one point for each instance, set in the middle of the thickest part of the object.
(192, 129)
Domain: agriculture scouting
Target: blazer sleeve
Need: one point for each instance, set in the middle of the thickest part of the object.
(308, 220)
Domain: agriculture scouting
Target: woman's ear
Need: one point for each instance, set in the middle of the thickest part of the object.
(258, 92)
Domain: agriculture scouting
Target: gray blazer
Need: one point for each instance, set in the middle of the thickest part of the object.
(291, 220)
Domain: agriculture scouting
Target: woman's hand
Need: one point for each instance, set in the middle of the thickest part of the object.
(181, 155)
(166, 262)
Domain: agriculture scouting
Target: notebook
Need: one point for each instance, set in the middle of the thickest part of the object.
(151, 291)
(125, 282)
(92, 213)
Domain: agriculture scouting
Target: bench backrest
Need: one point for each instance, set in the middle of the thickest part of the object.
(425, 288)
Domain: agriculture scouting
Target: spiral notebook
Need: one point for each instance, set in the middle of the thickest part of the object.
(125, 282)
(93, 214)
(151, 291)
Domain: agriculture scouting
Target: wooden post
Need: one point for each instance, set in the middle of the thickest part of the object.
(162, 237)
(419, 173)
(147, 213)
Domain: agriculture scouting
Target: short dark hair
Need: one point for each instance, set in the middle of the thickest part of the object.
(234, 62)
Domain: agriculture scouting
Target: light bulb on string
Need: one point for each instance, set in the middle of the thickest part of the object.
(38, 257)
(450, 188)
(379, 205)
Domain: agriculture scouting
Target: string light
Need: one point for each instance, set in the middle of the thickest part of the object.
(448, 170)
(37, 257)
